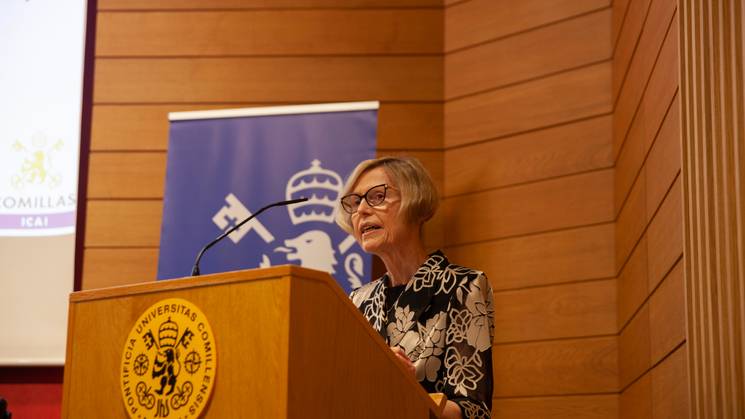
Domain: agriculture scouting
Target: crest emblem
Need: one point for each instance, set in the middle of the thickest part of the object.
(169, 362)
(37, 167)
(38, 199)
(312, 245)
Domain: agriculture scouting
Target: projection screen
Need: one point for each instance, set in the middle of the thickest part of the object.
(42, 46)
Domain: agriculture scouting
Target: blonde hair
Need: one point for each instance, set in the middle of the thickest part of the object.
(419, 198)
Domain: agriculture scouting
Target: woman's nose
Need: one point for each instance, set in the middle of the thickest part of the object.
(364, 207)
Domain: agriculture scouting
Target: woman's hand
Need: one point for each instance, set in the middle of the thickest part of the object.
(401, 355)
(451, 410)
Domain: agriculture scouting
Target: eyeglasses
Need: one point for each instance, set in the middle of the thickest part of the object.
(374, 197)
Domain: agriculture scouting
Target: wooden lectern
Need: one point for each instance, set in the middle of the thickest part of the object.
(289, 343)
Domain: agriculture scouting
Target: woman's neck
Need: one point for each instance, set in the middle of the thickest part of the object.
(402, 263)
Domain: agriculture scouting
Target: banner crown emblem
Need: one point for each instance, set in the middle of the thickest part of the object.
(322, 187)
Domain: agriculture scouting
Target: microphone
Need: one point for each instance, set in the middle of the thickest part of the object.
(195, 269)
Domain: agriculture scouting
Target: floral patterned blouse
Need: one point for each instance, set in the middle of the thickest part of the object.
(444, 321)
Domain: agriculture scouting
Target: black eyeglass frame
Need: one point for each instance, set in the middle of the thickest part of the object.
(364, 196)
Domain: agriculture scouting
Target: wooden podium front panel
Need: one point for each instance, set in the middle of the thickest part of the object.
(339, 366)
(289, 344)
(254, 329)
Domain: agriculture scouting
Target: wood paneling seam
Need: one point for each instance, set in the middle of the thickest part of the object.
(114, 57)
(525, 81)
(646, 154)
(268, 9)
(649, 77)
(263, 103)
(528, 131)
(455, 3)
(524, 183)
(646, 226)
(620, 28)
(558, 339)
(552, 284)
(127, 151)
(623, 327)
(654, 365)
(524, 31)
(634, 50)
(532, 233)
(123, 198)
(109, 247)
(562, 395)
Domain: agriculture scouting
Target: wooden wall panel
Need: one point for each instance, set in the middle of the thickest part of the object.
(628, 38)
(562, 367)
(401, 126)
(644, 130)
(566, 202)
(529, 194)
(636, 215)
(123, 223)
(109, 267)
(634, 348)
(632, 283)
(631, 222)
(255, 79)
(629, 163)
(670, 387)
(638, 80)
(414, 126)
(656, 20)
(568, 255)
(570, 407)
(636, 150)
(258, 4)
(665, 236)
(572, 310)
(619, 11)
(636, 400)
(663, 163)
(543, 51)
(667, 313)
(265, 32)
(573, 148)
(475, 21)
(646, 145)
(542, 103)
(126, 175)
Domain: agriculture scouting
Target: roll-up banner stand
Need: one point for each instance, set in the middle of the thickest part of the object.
(223, 165)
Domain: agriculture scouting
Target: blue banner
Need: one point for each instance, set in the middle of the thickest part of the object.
(222, 170)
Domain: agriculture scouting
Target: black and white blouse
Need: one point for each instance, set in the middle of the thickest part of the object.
(444, 320)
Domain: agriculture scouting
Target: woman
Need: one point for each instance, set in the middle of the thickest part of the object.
(437, 317)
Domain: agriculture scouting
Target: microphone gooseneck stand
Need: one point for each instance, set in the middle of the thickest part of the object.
(195, 269)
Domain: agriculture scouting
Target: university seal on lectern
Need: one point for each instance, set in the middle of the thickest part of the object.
(169, 362)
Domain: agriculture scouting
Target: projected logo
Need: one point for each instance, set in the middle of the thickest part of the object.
(314, 247)
(36, 164)
(169, 362)
(36, 199)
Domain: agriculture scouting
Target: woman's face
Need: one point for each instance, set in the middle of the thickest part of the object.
(379, 228)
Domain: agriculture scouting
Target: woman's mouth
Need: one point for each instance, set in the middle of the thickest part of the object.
(369, 228)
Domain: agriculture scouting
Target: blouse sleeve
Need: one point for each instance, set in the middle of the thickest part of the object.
(468, 346)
